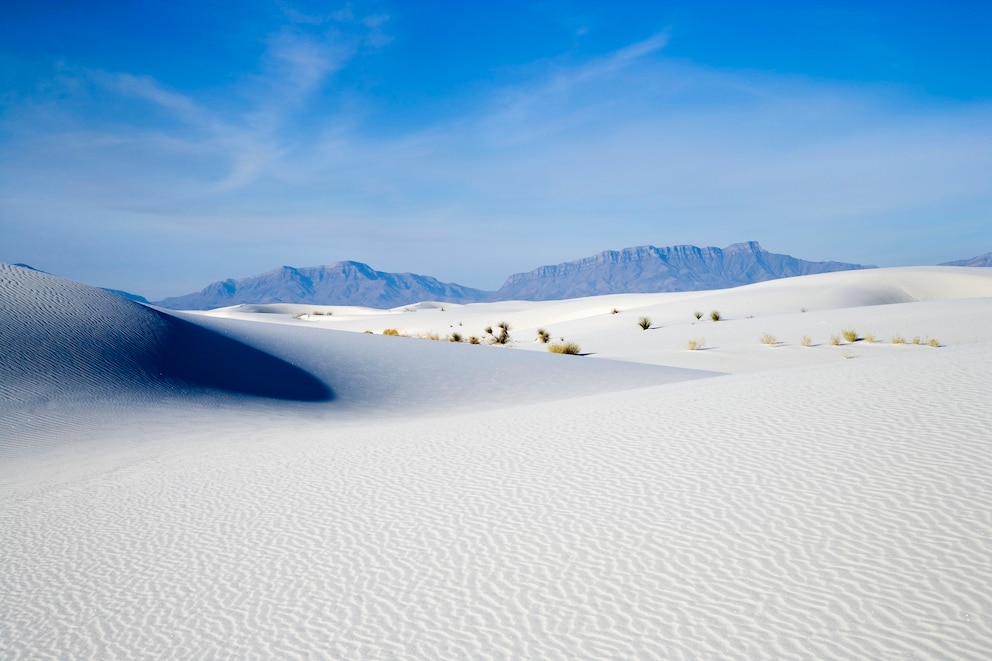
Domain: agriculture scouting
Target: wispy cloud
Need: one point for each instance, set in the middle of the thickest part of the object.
(618, 150)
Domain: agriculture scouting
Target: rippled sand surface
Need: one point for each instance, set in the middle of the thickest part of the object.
(452, 501)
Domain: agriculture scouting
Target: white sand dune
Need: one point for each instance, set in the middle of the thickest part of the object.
(303, 492)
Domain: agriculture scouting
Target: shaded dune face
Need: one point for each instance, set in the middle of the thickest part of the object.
(200, 357)
(60, 339)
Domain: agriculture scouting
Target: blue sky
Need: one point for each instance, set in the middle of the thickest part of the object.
(157, 147)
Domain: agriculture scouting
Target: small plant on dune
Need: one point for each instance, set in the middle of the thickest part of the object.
(472, 339)
(769, 339)
(430, 335)
(503, 336)
(391, 331)
(898, 339)
(916, 339)
(806, 341)
(614, 311)
(543, 336)
(933, 342)
(368, 332)
(698, 315)
(834, 340)
(693, 345)
(300, 315)
(715, 315)
(870, 338)
(565, 347)
(850, 335)
(455, 337)
(644, 323)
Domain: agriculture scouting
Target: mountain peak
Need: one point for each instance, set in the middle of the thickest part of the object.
(650, 269)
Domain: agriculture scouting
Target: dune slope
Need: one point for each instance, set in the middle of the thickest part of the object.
(836, 509)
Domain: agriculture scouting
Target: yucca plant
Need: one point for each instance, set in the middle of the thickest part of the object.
(644, 323)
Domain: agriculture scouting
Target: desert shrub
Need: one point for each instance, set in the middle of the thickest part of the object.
(916, 339)
(933, 342)
(715, 315)
(806, 341)
(835, 340)
(390, 331)
(368, 332)
(644, 323)
(693, 345)
(564, 347)
(698, 315)
(614, 311)
(455, 337)
(769, 339)
(870, 338)
(543, 335)
(849, 335)
(501, 337)
(431, 335)
(473, 340)
(898, 339)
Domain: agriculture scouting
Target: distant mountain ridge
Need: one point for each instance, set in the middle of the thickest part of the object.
(341, 283)
(650, 269)
(980, 260)
(632, 270)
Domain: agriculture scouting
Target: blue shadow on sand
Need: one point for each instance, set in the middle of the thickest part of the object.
(200, 357)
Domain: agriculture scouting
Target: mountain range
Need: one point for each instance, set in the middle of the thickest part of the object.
(640, 269)
(981, 260)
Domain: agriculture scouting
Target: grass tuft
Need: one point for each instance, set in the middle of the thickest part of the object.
(693, 345)
(644, 323)
(543, 335)
(614, 311)
(769, 339)
(898, 339)
(933, 342)
(391, 331)
(455, 337)
(715, 315)
(850, 335)
(870, 338)
(806, 341)
(570, 348)
(698, 315)
(834, 340)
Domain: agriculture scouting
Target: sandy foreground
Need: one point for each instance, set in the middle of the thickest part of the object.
(265, 482)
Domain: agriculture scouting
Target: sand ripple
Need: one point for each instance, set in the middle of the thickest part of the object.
(841, 511)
